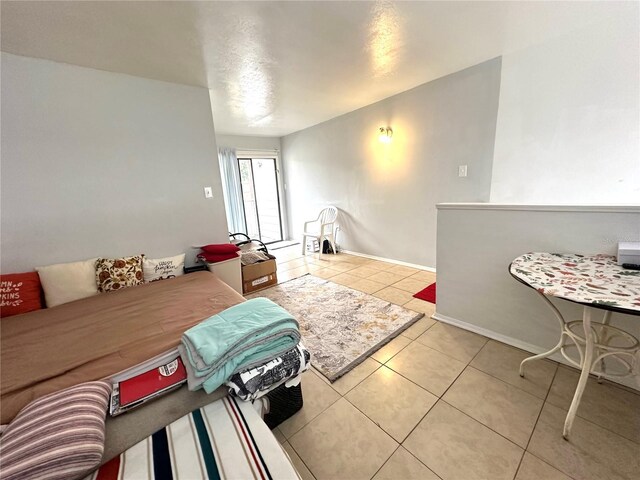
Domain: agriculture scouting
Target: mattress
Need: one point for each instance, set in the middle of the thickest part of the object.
(96, 337)
(226, 439)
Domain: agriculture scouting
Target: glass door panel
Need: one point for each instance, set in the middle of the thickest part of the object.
(249, 198)
(259, 182)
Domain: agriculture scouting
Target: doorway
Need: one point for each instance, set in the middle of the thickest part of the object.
(261, 198)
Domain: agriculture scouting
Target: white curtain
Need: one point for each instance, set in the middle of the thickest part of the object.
(231, 190)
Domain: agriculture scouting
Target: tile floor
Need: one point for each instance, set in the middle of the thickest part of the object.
(439, 402)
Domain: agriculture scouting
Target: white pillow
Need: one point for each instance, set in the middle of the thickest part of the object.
(66, 282)
(162, 268)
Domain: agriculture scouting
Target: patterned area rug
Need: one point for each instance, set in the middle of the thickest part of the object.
(340, 326)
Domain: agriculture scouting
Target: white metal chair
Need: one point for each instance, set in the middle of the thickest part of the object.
(326, 223)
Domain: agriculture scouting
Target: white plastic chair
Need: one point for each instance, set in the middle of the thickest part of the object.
(326, 221)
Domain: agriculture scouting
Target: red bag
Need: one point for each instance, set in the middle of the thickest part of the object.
(218, 252)
(220, 249)
(214, 258)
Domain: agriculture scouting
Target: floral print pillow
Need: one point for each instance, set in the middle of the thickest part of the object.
(118, 273)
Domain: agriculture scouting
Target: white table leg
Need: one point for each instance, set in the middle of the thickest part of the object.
(561, 322)
(584, 376)
(605, 321)
(540, 356)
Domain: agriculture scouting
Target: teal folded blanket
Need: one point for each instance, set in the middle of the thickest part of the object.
(241, 337)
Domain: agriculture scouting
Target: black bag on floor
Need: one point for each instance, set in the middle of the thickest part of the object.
(283, 403)
(326, 247)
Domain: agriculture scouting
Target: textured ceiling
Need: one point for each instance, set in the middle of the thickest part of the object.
(278, 67)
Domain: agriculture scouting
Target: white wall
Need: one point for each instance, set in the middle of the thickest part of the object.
(103, 164)
(244, 142)
(568, 126)
(476, 244)
(387, 193)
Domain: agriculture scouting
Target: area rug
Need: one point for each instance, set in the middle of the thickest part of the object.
(428, 294)
(339, 326)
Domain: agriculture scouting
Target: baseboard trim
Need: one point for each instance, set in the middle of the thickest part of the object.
(540, 207)
(389, 260)
(514, 342)
(528, 347)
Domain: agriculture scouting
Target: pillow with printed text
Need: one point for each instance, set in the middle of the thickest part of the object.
(19, 293)
(163, 268)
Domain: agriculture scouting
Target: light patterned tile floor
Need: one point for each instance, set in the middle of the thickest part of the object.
(438, 402)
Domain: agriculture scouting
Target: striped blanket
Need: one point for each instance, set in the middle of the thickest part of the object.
(226, 439)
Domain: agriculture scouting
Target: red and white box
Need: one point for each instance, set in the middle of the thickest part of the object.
(146, 381)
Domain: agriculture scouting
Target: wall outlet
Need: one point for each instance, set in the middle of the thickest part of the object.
(462, 170)
(208, 192)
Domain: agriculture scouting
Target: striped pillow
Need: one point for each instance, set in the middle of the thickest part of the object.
(58, 436)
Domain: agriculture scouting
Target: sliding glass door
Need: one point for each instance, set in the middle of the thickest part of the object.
(261, 199)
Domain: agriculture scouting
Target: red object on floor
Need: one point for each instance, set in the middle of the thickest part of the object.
(428, 294)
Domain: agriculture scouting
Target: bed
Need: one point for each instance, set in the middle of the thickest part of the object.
(96, 337)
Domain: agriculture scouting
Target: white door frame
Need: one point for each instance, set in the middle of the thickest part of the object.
(248, 153)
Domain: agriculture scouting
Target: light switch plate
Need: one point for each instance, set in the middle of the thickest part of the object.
(208, 192)
(462, 170)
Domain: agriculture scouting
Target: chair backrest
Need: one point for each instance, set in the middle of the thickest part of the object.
(328, 215)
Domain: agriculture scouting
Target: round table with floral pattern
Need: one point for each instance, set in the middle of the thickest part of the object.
(595, 282)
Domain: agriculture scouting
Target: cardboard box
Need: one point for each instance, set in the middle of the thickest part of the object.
(259, 275)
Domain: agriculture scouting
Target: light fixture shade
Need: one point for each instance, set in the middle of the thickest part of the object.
(385, 134)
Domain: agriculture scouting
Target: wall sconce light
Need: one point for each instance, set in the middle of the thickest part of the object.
(385, 134)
